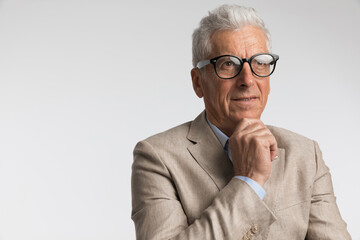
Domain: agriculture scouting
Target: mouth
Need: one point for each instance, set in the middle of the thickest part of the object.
(244, 99)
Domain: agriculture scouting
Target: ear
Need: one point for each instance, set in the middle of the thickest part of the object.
(196, 82)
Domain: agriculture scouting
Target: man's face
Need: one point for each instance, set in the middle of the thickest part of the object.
(227, 101)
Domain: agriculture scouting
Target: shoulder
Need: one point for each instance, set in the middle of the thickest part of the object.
(290, 140)
(166, 141)
(172, 135)
(165, 151)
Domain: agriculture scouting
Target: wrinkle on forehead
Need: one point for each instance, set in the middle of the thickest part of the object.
(244, 42)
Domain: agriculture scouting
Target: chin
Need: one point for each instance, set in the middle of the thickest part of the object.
(238, 116)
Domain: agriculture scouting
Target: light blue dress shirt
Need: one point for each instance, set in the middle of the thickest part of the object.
(224, 140)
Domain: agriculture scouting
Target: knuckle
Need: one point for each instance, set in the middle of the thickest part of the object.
(234, 139)
(257, 140)
(247, 139)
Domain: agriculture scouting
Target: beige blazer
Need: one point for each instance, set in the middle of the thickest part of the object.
(183, 188)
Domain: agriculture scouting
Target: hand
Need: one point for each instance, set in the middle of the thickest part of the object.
(253, 148)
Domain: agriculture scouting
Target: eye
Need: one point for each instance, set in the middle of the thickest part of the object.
(229, 63)
(259, 63)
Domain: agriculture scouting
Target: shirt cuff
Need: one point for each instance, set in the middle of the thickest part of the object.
(259, 190)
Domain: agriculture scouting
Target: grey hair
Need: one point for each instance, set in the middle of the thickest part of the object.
(225, 17)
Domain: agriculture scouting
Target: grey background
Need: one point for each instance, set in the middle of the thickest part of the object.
(81, 81)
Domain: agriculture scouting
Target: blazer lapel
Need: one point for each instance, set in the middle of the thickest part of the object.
(209, 153)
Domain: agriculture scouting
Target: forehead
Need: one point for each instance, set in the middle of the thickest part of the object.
(245, 42)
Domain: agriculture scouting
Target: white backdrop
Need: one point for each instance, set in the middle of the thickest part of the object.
(81, 81)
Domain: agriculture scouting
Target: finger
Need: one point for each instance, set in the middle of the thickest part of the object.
(248, 138)
(268, 141)
(273, 150)
(248, 125)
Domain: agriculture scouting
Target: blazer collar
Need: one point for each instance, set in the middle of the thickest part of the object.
(208, 152)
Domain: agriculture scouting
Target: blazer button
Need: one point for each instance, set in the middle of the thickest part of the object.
(255, 229)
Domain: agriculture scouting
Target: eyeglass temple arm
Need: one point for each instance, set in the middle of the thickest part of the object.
(202, 63)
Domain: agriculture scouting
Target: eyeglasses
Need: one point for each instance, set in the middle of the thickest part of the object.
(229, 66)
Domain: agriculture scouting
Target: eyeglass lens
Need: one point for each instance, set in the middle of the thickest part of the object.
(229, 66)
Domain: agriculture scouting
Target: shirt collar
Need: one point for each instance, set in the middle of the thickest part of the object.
(219, 134)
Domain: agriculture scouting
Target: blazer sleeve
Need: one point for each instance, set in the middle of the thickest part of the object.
(235, 213)
(325, 221)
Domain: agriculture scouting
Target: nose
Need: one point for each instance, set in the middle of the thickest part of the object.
(245, 77)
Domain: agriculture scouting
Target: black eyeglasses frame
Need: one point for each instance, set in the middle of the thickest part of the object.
(203, 63)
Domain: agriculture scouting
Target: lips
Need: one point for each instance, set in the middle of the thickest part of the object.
(244, 99)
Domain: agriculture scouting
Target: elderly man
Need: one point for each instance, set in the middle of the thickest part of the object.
(226, 175)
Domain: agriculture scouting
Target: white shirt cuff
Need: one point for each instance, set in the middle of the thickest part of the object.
(259, 190)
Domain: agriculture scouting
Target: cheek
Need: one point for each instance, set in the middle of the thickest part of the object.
(209, 90)
(216, 91)
(264, 89)
(223, 91)
(213, 90)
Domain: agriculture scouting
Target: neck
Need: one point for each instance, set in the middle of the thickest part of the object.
(222, 126)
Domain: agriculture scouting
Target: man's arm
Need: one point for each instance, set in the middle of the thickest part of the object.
(325, 221)
(235, 212)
